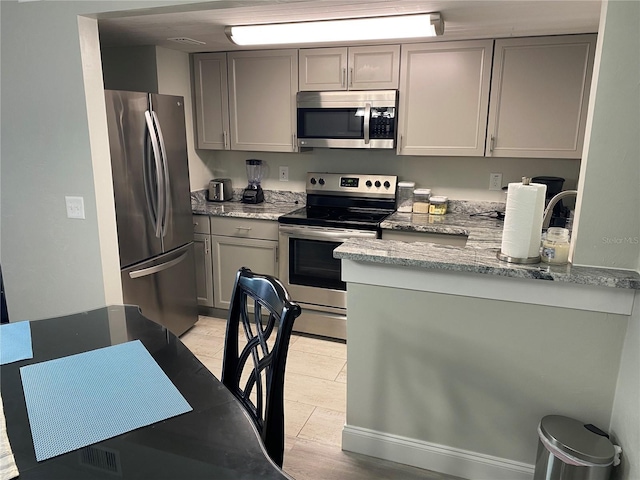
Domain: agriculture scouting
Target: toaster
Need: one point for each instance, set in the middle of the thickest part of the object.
(220, 190)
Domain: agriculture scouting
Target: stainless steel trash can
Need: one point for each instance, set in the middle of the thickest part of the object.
(570, 450)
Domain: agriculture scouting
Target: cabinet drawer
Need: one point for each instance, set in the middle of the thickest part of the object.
(244, 228)
(201, 224)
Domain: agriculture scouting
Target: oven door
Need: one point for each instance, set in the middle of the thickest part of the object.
(307, 267)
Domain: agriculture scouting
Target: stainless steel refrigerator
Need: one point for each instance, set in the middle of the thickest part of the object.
(147, 138)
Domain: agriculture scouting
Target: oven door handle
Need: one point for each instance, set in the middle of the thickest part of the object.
(337, 235)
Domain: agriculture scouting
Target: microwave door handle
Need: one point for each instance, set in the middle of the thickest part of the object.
(159, 173)
(367, 116)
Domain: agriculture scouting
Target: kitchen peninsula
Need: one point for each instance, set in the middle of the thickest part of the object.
(455, 356)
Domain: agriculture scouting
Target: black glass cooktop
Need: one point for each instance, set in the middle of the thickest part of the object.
(337, 217)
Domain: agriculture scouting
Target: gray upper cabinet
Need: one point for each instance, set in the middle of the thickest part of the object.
(539, 96)
(350, 68)
(211, 100)
(444, 95)
(262, 100)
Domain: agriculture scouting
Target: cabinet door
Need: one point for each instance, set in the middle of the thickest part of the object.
(323, 69)
(262, 100)
(374, 68)
(231, 253)
(204, 269)
(211, 100)
(539, 96)
(444, 95)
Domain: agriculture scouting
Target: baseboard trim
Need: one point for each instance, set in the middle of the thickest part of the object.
(431, 456)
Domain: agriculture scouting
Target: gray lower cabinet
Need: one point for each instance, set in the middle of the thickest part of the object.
(204, 261)
(236, 243)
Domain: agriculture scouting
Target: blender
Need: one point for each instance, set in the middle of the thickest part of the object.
(253, 193)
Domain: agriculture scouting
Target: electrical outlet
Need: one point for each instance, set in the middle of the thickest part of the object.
(75, 207)
(284, 174)
(495, 181)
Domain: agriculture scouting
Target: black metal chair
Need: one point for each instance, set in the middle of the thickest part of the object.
(3, 300)
(254, 371)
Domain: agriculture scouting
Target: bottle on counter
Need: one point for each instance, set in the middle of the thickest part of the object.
(404, 199)
(555, 246)
(438, 205)
(421, 200)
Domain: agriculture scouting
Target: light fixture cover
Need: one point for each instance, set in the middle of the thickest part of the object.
(347, 30)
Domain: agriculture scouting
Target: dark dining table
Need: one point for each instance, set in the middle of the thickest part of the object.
(216, 440)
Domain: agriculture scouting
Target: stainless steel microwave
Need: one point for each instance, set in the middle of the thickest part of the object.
(357, 119)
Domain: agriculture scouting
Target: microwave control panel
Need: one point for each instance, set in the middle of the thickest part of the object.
(382, 123)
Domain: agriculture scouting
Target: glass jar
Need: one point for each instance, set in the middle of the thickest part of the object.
(555, 246)
(404, 199)
(421, 200)
(438, 205)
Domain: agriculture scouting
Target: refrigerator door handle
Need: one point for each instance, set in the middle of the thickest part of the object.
(159, 172)
(165, 169)
(143, 272)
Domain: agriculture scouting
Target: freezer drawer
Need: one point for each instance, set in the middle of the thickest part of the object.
(164, 288)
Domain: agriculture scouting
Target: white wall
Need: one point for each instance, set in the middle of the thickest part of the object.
(461, 178)
(608, 226)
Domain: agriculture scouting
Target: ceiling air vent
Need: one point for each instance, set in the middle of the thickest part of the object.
(186, 41)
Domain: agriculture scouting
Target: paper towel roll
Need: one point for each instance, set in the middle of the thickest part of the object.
(523, 220)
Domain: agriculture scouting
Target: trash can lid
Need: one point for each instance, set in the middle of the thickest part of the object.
(572, 437)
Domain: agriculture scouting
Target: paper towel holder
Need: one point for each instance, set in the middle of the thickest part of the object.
(506, 258)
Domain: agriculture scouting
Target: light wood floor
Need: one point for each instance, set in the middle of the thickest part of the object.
(315, 405)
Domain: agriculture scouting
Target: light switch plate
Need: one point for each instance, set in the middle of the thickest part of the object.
(75, 207)
(284, 174)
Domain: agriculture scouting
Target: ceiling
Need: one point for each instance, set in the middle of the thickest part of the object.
(464, 19)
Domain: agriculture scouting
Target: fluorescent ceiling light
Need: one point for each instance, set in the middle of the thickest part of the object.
(349, 30)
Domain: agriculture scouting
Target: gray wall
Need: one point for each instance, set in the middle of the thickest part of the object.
(608, 227)
(51, 265)
(130, 68)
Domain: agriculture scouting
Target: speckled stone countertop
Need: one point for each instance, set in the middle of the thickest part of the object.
(276, 203)
(478, 256)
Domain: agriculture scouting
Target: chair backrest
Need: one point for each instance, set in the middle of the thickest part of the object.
(3, 300)
(255, 353)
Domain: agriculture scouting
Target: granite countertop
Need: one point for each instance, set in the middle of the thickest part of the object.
(275, 205)
(477, 256)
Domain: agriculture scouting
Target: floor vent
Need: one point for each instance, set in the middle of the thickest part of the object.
(187, 41)
(101, 458)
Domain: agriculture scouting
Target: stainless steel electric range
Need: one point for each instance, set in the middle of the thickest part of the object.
(339, 206)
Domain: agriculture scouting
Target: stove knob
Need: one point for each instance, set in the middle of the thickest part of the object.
(368, 183)
(321, 181)
(312, 181)
(387, 184)
(377, 183)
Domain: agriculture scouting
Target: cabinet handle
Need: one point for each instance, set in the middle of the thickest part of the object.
(206, 245)
(277, 254)
(293, 142)
(243, 228)
(225, 139)
(492, 143)
(400, 143)
(351, 77)
(344, 74)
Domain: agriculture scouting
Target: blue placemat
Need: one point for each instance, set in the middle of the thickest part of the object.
(82, 399)
(15, 342)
